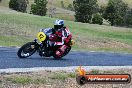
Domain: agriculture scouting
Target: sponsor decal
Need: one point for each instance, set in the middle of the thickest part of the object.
(83, 78)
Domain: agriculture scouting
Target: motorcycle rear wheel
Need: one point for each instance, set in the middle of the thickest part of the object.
(26, 50)
(67, 51)
(64, 54)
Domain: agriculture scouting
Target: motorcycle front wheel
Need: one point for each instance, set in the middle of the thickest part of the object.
(27, 50)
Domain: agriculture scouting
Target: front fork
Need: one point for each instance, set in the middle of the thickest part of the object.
(42, 48)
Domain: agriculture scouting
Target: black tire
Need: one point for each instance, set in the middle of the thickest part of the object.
(27, 49)
(67, 51)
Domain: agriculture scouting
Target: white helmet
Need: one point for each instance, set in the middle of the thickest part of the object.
(58, 24)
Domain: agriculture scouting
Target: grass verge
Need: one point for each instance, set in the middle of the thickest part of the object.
(59, 79)
(19, 28)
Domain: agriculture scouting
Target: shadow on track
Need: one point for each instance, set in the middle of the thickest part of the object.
(45, 58)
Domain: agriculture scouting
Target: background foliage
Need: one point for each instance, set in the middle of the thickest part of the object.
(18, 5)
(39, 7)
(84, 10)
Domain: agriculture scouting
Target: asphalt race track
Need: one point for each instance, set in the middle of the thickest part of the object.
(9, 59)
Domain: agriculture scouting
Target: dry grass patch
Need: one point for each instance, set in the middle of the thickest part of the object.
(102, 44)
(59, 79)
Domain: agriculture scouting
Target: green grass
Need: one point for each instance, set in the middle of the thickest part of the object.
(62, 76)
(19, 80)
(25, 80)
(59, 76)
(65, 16)
(12, 40)
(39, 81)
(19, 28)
(71, 75)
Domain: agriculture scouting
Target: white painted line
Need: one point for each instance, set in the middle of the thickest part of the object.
(67, 69)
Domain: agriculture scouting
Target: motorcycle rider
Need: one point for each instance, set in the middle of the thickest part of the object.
(60, 37)
(54, 42)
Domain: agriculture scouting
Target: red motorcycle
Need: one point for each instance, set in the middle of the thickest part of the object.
(41, 45)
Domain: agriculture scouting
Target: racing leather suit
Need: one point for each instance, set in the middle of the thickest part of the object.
(58, 38)
(61, 38)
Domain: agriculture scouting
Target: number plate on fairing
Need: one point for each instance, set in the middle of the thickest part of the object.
(41, 36)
